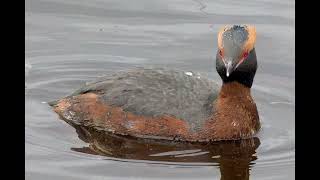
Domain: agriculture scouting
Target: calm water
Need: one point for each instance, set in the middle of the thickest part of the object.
(70, 42)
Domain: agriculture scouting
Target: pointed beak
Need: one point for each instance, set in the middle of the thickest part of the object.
(229, 66)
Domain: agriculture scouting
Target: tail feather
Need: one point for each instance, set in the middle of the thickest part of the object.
(53, 103)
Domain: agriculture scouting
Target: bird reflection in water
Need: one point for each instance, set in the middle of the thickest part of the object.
(234, 158)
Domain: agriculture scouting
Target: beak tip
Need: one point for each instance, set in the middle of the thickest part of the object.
(229, 67)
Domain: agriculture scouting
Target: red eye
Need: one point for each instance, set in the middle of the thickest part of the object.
(245, 55)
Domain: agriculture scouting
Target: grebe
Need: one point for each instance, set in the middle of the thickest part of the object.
(174, 105)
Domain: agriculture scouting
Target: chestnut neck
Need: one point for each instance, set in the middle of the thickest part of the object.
(234, 89)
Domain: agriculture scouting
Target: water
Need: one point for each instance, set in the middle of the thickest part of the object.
(71, 42)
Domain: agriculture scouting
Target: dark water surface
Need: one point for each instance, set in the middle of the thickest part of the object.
(70, 42)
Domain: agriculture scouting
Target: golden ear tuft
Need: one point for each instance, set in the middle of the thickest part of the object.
(252, 34)
(220, 33)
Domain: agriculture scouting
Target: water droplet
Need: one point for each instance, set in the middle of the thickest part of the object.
(189, 73)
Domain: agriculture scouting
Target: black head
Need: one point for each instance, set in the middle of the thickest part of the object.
(236, 57)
